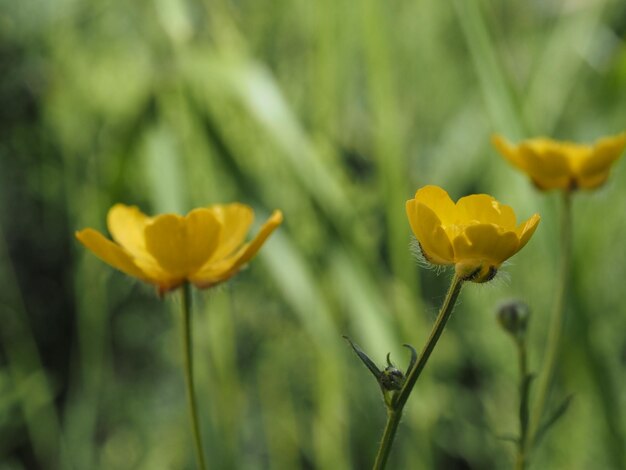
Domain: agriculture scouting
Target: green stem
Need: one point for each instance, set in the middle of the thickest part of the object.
(191, 397)
(556, 323)
(393, 420)
(394, 412)
(520, 461)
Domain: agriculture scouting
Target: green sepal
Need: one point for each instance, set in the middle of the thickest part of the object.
(413, 359)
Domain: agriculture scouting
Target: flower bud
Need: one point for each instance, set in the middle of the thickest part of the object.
(513, 317)
(392, 378)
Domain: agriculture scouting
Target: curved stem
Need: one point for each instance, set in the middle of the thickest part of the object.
(556, 323)
(394, 412)
(191, 397)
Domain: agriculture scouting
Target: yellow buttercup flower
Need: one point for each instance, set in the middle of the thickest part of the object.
(476, 235)
(553, 164)
(205, 247)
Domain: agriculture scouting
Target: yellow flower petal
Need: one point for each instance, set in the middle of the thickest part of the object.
(266, 230)
(110, 253)
(593, 181)
(439, 202)
(509, 151)
(546, 165)
(127, 224)
(429, 232)
(526, 230)
(215, 272)
(594, 170)
(181, 245)
(485, 209)
(236, 220)
(484, 242)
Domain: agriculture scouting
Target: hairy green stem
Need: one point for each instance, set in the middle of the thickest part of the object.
(394, 412)
(557, 319)
(191, 397)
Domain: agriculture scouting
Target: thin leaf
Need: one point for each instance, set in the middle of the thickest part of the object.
(556, 415)
(509, 438)
(376, 372)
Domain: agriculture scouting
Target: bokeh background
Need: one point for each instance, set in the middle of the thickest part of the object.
(335, 111)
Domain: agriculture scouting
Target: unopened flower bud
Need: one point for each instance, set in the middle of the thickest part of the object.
(392, 378)
(513, 317)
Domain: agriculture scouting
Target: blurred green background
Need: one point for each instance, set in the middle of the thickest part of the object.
(334, 111)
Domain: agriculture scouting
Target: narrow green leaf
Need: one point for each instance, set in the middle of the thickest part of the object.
(376, 372)
(553, 418)
(509, 438)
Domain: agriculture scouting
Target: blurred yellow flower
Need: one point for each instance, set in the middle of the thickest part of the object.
(553, 164)
(477, 234)
(205, 247)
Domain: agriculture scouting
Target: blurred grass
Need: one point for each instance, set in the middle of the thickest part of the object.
(334, 112)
